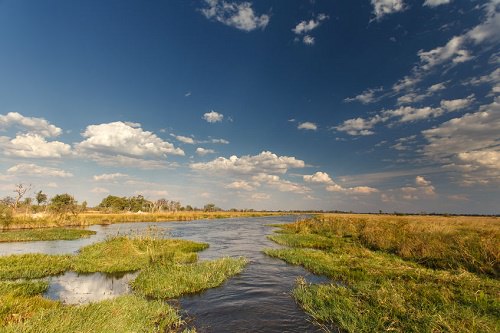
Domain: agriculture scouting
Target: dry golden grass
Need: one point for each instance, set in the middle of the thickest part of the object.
(22, 221)
(471, 243)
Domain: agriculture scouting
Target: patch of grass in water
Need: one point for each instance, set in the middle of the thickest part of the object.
(33, 266)
(128, 313)
(30, 235)
(174, 280)
(123, 254)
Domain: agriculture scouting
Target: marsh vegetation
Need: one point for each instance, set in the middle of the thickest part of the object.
(403, 274)
(24, 309)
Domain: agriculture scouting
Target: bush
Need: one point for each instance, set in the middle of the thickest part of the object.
(5, 215)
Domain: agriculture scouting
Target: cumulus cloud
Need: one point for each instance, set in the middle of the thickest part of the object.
(110, 176)
(34, 125)
(457, 104)
(352, 190)
(435, 3)
(213, 117)
(308, 126)
(359, 126)
(37, 170)
(280, 184)
(202, 151)
(241, 185)
(184, 139)
(32, 145)
(319, 178)
(385, 7)
(119, 142)
(265, 162)
(238, 15)
(468, 144)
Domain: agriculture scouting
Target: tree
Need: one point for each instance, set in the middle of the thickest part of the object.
(41, 198)
(63, 205)
(20, 190)
(211, 208)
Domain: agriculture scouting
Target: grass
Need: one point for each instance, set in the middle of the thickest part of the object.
(173, 280)
(469, 243)
(123, 254)
(33, 266)
(128, 313)
(383, 288)
(43, 234)
(168, 269)
(22, 221)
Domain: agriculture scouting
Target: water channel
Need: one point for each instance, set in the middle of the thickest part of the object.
(257, 300)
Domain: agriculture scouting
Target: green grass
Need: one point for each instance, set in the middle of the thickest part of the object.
(123, 254)
(23, 288)
(33, 266)
(173, 280)
(122, 314)
(43, 234)
(375, 291)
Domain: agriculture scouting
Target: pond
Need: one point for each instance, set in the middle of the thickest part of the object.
(257, 300)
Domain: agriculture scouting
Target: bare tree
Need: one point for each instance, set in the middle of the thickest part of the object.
(20, 190)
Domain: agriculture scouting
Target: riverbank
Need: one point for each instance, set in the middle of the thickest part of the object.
(404, 274)
(23, 221)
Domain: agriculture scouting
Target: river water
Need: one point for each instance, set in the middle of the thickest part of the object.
(257, 300)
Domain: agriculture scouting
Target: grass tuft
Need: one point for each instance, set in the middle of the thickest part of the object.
(174, 280)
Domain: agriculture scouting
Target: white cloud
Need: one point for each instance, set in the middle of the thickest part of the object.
(421, 181)
(409, 114)
(261, 196)
(352, 190)
(308, 40)
(38, 126)
(468, 144)
(265, 162)
(127, 142)
(241, 185)
(435, 3)
(457, 104)
(221, 141)
(213, 117)
(99, 190)
(385, 7)
(366, 97)
(39, 171)
(359, 126)
(202, 151)
(184, 139)
(110, 176)
(32, 145)
(306, 26)
(308, 126)
(437, 87)
(319, 178)
(238, 15)
(281, 185)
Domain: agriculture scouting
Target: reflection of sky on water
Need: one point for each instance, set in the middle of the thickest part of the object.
(73, 288)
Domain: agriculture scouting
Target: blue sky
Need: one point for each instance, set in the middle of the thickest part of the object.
(350, 105)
